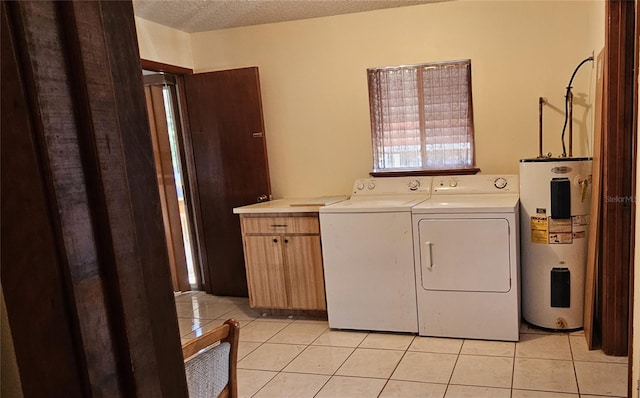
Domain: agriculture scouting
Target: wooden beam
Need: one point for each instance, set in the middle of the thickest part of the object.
(632, 287)
(33, 279)
(160, 67)
(81, 73)
(594, 251)
(618, 164)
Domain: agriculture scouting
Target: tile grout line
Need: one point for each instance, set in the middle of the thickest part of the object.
(279, 371)
(238, 306)
(513, 368)
(334, 372)
(395, 367)
(454, 368)
(573, 365)
(288, 363)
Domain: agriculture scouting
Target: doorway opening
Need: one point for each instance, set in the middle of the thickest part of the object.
(165, 125)
(219, 137)
(178, 174)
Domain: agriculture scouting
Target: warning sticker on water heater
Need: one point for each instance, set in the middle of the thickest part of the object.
(539, 230)
(580, 220)
(580, 226)
(560, 231)
(560, 238)
(579, 234)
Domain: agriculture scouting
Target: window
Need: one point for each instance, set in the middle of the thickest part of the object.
(422, 118)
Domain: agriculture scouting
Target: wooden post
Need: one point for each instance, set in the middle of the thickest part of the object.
(84, 262)
(618, 164)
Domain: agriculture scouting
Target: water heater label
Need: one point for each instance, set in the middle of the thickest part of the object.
(560, 231)
(560, 238)
(580, 225)
(547, 230)
(539, 230)
(580, 220)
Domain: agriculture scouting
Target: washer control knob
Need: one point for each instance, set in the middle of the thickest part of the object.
(414, 185)
(453, 183)
(500, 182)
(371, 185)
(360, 186)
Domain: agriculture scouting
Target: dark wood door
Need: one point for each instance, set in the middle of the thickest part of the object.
(227, 131)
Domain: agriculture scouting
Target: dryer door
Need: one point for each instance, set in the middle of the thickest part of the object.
(465, 254)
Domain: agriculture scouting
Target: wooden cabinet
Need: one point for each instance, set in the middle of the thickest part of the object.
(283, 260)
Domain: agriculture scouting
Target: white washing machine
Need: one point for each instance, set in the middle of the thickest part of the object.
(367, 247)
(467, 264)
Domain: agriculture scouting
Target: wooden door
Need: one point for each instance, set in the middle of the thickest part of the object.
(304, 270)
(167, 187)
(265, 271)
(227, 130)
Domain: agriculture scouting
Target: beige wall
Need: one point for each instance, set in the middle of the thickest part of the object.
(163, 44)
(314, 86)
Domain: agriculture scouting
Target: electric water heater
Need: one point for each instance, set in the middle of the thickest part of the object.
(555, 200)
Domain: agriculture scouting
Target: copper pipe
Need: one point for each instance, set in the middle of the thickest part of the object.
(566, 105)
(541, 103)
(570, 123)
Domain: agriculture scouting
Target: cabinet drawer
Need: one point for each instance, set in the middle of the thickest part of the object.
(280, 225)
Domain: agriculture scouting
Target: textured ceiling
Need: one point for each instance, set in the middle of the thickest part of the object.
(198, 16)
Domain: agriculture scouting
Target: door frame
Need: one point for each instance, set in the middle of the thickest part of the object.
(101, 298)
(192, 199)
(620, 112)
(619, 155)
(163, 159)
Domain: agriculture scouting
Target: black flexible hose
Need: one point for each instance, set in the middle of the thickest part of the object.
(566, 103)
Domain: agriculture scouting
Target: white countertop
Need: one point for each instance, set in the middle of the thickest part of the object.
(297, 205)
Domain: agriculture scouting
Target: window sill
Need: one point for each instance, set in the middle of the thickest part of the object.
(409, 173)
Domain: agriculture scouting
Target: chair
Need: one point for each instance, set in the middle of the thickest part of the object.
(210, 362)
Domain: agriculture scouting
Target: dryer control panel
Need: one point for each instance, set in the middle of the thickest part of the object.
(476, 184)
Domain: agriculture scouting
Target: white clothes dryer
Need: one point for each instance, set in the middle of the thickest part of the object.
(466, 244)
(367, 248)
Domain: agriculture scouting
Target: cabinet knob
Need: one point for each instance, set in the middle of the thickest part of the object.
(275, 240)
(286, 241)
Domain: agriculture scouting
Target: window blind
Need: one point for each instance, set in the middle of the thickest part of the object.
(421, 116)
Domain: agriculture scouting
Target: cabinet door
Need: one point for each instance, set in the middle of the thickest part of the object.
(304, 272)
(265, 271)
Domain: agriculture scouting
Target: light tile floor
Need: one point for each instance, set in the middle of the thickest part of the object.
(298, 357)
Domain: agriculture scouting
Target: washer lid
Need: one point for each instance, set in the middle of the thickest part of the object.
(481, 203)
(374, 205)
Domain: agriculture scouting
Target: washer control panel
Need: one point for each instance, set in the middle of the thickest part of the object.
(393, 186)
